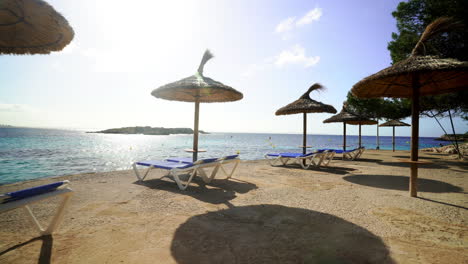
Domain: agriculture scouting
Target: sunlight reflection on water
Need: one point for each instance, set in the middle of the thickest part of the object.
(34, 153)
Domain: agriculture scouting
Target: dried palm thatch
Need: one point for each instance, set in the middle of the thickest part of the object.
(349, 118)
(307, 105)
(32, 27)
(346, 117)
(416, 76)
(393, 123)
(436, 75)
(198, 88)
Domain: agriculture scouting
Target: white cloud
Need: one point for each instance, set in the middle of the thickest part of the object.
(312, 15)
(285, 25)
(291, 22)
(295, 55)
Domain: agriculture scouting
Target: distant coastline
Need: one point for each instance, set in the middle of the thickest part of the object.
(459, 137)
(147, 130)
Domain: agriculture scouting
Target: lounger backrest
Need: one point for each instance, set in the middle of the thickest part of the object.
(31, 191)
(203, 161)
(230, 157)
(310, 153)
(181, 160)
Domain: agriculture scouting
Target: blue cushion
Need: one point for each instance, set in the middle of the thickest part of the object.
(25, 193)
(231, 157)
(190, 160)
(289, 154)
(167, 165)
(338, 151)
(182, 160)
(209, 160)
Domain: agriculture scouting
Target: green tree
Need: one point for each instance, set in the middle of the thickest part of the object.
(379, 108)
(412, 17)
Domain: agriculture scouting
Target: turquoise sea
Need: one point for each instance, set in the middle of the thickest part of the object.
(30, 153)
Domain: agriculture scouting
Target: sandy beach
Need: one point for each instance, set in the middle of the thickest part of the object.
(351, 212)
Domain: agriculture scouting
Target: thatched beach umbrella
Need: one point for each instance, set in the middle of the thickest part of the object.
(394, 123)
(345, 117)
(306, 105)
(198, 89)
(32, 27)
(416, 76)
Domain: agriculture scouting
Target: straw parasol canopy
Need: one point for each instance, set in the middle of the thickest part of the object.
(346, 117)
(394, 123)
(437, 76)
(198, 89)
(32, 27)
(416, 76)
(306, 105)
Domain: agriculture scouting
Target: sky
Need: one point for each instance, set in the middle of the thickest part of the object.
(271, 51)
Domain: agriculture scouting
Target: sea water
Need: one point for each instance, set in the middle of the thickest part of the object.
(30, 153)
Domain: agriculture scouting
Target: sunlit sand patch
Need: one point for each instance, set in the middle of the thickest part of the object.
(425, 239)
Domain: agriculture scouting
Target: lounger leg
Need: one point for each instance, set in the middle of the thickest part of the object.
(229, 175)
(205, 177)
(347, 156)
(176, 178)
(138, 173)
(328, 158)
(273, 162)
(303, 162)
(55, 220)
(321, 159)
(355, 154)
(33, 219)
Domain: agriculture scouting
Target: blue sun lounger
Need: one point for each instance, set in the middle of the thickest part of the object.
(24, 198)
(179, 166)
(315, 159)
(352, 154)
(220, 166)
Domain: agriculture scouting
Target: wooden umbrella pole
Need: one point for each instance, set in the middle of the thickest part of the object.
(344, 136)
(393, 139)
(195, 132)
(359, 135)
(304, 136)
(378, 139)
(414, 136)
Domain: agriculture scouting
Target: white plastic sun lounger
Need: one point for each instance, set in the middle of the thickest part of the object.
(305, 160)
(352, 154)
(175, 169)
(220, 166)
(24, 198)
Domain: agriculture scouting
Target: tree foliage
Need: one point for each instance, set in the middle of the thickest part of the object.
(412, 17)
(379, 108)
